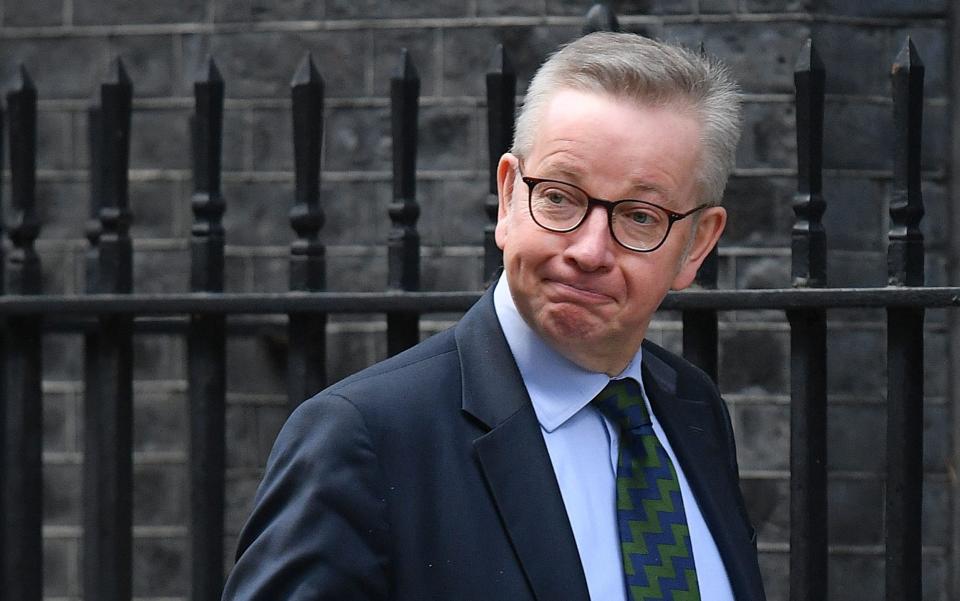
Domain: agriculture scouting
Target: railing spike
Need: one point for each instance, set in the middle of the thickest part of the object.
(600, 17)
(406, 69)
(306, 72)
(120, 75)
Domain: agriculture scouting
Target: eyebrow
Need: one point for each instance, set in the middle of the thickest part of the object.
(563, 171)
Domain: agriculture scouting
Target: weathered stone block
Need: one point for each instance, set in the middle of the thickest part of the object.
(256, 365)
(160, 422)
(467, 54)
(149, 61)
(936, 513)
(855, 514)
(272, 134)
(447, 139)
(763, 436)
(452, 273)
(32, 14)
(270, 274)
(763, 272)
(708, 7)
(856, 269)
(160, 139)
(59, 266)
(60, 67)
(856, 361)
(881, 8)
(356, 212)
(237, 153)
(261, 64)
(760, 58)
(117, 12)
(61, 567)
(865, 570)
(855, 216)
(498, 8)
(62, 357)
(759, 211)
(54, 140)
(764, 6)
(157, 209)
(258, 213)
(365, 9)
(422, 47)
(63, 209)
(358, 139)
(161, 270)
(768, 138)
(266, 10)
(765, 370)
(160, 494)
(160, 566)
(59, 422)
(362, 272)
(241, 486)
(61, 501)
(775, 568)
(242, 444)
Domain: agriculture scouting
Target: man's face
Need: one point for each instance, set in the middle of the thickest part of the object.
(587, 296)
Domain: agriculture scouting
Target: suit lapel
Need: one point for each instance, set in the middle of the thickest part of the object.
(514, 459)
(692, 428)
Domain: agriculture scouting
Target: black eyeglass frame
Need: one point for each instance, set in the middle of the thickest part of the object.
(609, 205)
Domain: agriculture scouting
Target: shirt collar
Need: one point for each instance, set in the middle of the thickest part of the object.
(558, 388)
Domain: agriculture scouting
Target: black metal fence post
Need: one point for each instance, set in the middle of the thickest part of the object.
(501, 105)
(403, 246)
(23, 503)
(306, 332)
(904, 492)
(808, 344)
(206, 344)
(3, 361)
(108, 361)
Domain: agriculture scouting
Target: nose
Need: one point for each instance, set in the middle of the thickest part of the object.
(591, 245)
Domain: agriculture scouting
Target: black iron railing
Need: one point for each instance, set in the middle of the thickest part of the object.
(111, 315)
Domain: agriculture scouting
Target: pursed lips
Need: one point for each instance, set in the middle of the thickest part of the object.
(571, 291)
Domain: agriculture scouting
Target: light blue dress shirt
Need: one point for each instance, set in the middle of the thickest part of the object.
(580, 440)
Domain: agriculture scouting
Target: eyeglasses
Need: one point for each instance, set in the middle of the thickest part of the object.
(637, 225)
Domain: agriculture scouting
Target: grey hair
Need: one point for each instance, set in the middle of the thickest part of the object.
(650, 73)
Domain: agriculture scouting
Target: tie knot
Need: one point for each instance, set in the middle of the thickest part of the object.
(622, 402)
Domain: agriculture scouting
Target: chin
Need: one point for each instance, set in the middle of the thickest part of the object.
(566, 323)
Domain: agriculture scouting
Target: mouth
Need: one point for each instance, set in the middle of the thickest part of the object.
(566, 291)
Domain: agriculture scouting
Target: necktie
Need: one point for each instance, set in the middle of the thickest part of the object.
(654, 539)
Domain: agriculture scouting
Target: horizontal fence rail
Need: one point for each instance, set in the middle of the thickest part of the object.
(111, 314)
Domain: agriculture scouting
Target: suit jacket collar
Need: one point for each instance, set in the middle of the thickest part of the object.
(514, 459)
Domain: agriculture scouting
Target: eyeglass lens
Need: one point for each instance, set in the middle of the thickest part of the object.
(562, 207)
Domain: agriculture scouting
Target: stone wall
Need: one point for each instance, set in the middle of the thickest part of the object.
(70, 45)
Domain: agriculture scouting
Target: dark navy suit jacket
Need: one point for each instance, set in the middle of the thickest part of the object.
(426, 477)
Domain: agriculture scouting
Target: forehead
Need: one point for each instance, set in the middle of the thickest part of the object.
(616, 145)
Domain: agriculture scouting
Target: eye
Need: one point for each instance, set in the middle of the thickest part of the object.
(557, 196)
(642, 216)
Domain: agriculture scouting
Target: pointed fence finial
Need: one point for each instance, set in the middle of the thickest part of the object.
(501, 106)
(905, 253)
(808, 238)
(403, 244)
(600, 17)
(23, 271)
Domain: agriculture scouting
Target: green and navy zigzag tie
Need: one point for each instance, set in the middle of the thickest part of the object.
(654, 538)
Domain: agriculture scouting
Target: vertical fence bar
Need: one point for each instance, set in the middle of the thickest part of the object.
(403, 246)
(700, 331)
(904, 492)
(3, 379)
(108, 398)
(306, 364)
(501, 105)
(23, 505)
(206, 344)
(808, 344)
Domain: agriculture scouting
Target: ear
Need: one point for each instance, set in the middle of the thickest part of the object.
(709, 227)
(506, 178)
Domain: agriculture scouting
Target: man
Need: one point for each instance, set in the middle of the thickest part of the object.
(490, 461)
